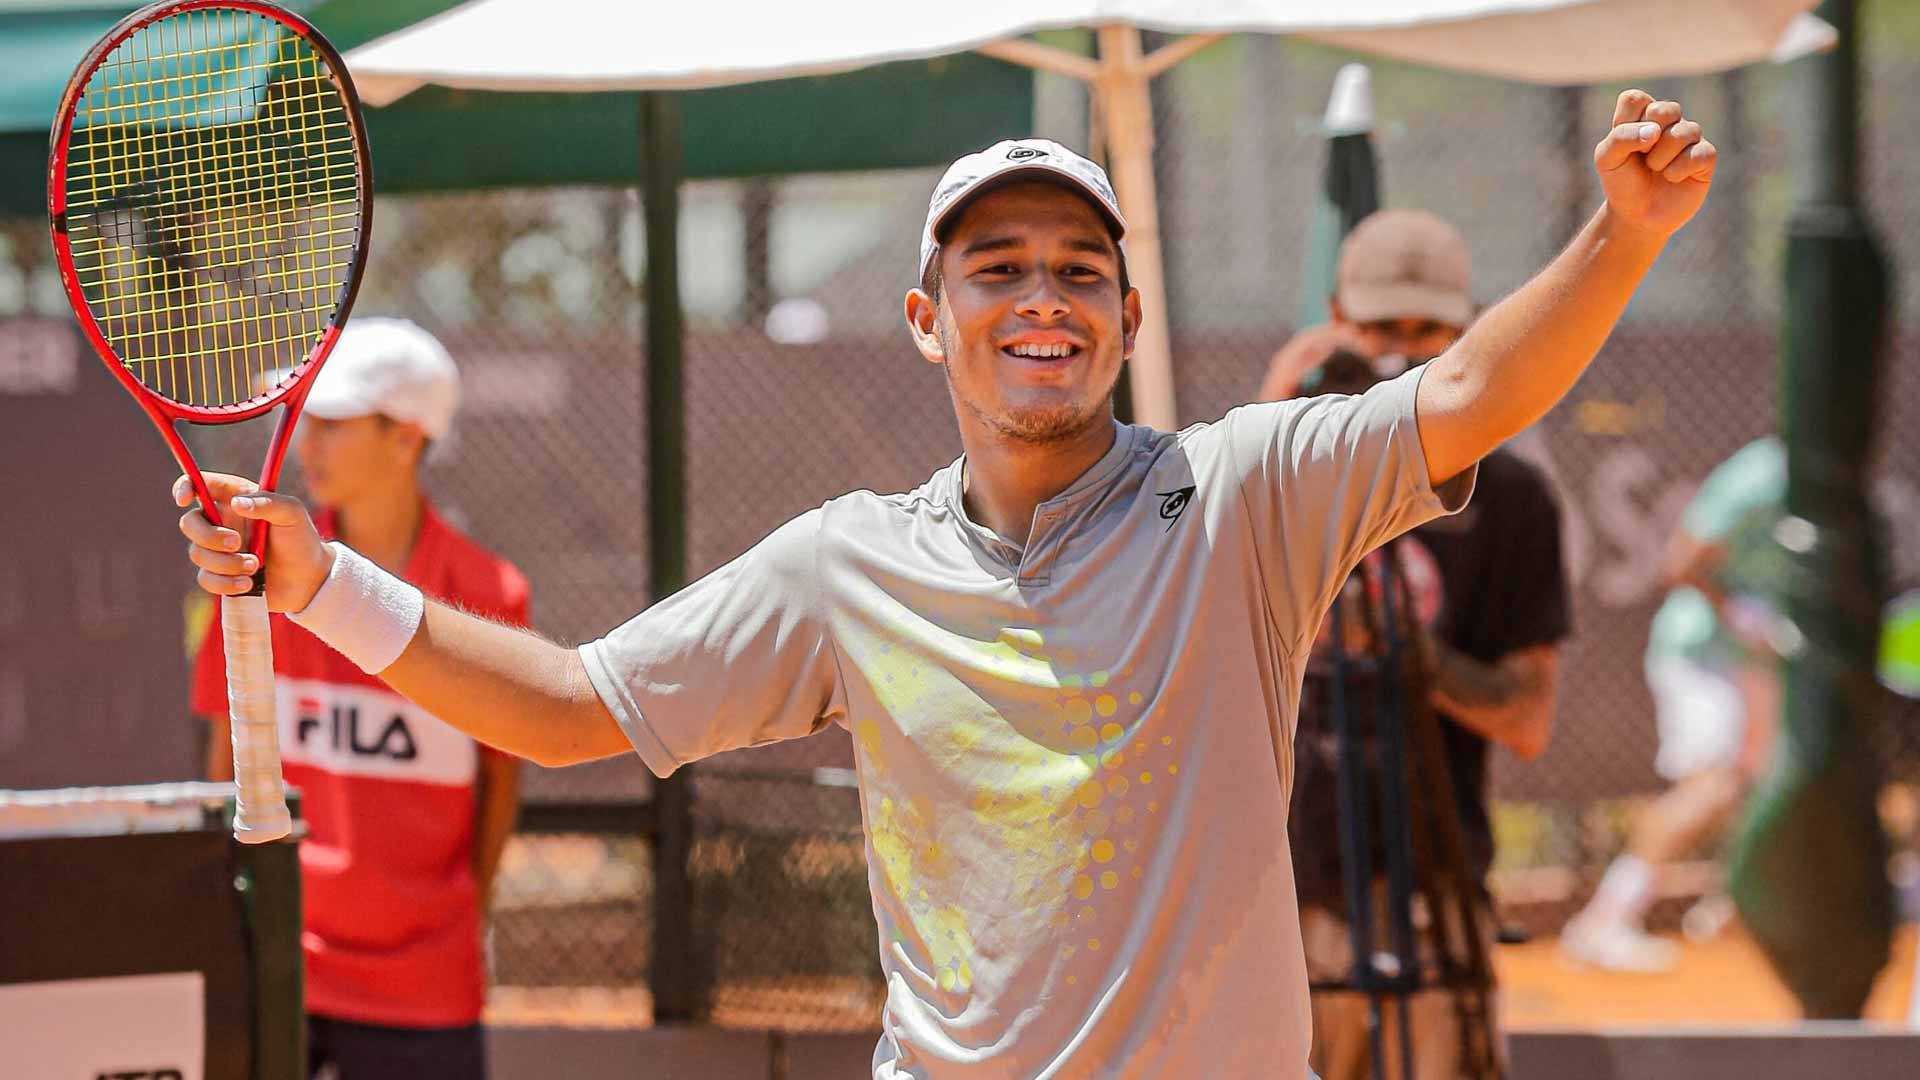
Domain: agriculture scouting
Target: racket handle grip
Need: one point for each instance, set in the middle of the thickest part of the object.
(260, 811)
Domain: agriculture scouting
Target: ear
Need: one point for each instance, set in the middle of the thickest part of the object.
(1334, 311)
(923, 318)
(1129, 323)
(411, 436)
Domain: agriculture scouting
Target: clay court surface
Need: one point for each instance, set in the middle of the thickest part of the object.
(1723, 981)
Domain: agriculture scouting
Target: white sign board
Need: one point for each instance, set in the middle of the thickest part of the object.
(128, 1027)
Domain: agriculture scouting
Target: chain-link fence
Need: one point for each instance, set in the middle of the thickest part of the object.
(801, 383)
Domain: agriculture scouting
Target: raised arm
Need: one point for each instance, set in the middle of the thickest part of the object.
(505, 687)
(1527, 351)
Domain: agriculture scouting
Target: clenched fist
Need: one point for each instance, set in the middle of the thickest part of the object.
(1655, 165)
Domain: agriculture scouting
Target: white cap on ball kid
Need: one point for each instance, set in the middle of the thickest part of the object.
(388, 367)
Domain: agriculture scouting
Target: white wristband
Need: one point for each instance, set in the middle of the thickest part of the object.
(365, 613)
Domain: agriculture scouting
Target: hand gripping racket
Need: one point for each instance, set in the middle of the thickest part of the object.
(210, 195)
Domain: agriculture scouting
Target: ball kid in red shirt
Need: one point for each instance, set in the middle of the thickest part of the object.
(406, 817)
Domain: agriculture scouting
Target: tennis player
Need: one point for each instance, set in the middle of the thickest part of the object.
(1713, 666)
(406, 816)
(1069, 660)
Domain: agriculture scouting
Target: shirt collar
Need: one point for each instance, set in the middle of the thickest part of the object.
(1098, 475)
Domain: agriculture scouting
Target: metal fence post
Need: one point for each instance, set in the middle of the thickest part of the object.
(672, 978)
(758, 196)
(270, 874)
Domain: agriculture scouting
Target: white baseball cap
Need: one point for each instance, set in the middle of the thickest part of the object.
(1012, 159)
(387, 367)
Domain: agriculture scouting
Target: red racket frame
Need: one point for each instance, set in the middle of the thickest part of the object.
(292, 391)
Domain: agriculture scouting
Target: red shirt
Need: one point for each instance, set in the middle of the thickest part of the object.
(392, 920)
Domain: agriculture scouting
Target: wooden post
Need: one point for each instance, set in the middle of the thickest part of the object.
(1121, 103)
(1129, 117)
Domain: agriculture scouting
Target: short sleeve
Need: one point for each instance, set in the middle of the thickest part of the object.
(1328, 479)
(208, 694)
(739, 658)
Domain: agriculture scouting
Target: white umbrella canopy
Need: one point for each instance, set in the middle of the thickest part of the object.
(587, 45)
(616, 44)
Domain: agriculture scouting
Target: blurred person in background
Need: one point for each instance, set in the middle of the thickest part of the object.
(1489, 589)
(406, 816)
(1713, 667)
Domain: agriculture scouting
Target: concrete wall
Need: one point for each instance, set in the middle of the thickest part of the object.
(518, 1053)
(1802, 1052)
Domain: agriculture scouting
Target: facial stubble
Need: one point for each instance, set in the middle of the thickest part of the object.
(1035, 425)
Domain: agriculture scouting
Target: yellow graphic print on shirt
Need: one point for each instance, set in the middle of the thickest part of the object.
(1056, 795)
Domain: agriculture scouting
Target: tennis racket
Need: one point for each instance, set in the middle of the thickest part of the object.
(210, 195)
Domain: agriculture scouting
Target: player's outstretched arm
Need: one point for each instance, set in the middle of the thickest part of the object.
(1527, 351)
(506, 687)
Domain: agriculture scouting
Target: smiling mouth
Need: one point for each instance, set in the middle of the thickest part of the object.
(1042, 352)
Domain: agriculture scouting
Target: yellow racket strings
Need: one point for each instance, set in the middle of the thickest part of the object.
(212, 202)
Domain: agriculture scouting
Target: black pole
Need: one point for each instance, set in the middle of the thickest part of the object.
(1809, 868)
(267, 877)
(665, 345)
(1356, 837)
(1395, 806)
(757, 198)
(672, 976)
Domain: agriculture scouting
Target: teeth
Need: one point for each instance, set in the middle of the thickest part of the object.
(1042, 351)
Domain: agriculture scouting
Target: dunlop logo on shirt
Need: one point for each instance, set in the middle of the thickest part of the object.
(365, 731)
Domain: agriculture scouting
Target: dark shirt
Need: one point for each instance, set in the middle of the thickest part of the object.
(1489, 582)
(1505, 586)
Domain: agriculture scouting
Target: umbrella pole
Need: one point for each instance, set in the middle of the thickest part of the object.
(1129, 116)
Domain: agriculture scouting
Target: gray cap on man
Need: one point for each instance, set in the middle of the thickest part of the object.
(1023, 159)
(1401, 264)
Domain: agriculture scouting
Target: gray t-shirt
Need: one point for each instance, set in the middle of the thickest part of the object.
(1074, 759)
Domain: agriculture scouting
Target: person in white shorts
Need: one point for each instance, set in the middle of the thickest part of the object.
(1070, 661)
(1714, 671)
